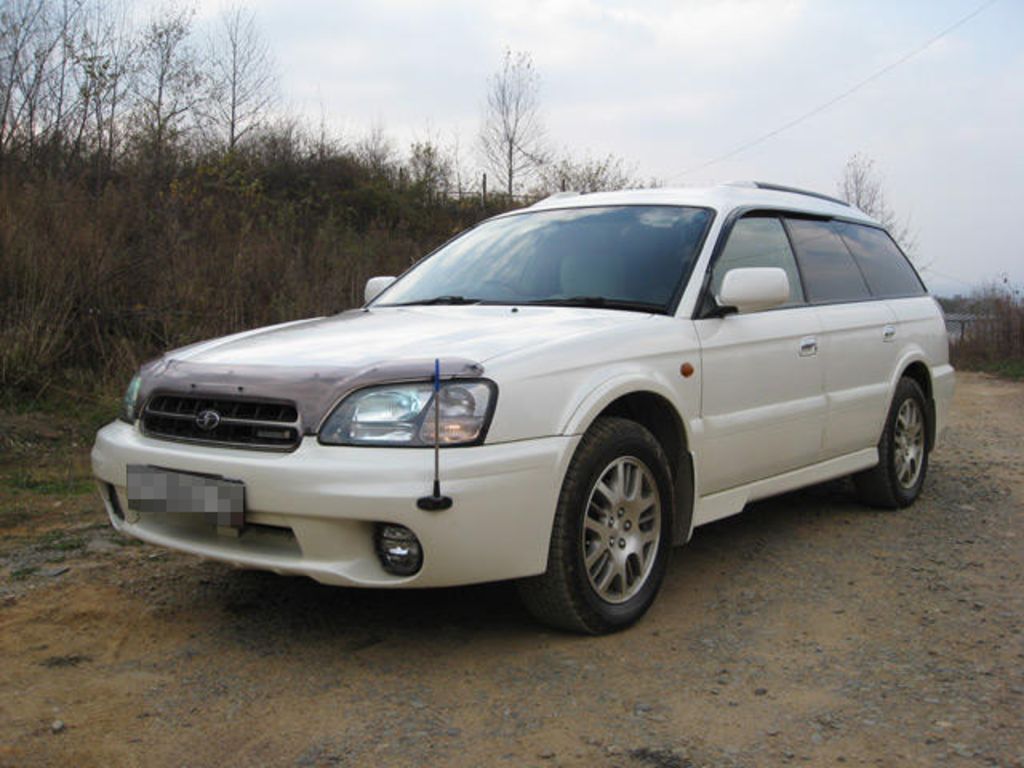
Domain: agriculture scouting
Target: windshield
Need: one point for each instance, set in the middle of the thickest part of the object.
(626, 257)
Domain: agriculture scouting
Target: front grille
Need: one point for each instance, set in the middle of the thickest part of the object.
(255, 424)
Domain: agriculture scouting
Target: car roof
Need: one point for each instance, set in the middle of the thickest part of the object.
(723, 198)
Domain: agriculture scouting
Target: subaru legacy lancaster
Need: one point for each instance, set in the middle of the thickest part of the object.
(559, 395)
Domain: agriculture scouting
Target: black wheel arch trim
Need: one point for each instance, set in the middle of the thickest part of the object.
(639, 406)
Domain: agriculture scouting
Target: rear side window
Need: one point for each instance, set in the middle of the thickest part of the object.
(758, 242)
(830, 273)
(886, 269)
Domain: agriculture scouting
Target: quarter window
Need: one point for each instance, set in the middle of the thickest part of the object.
(885, 268)
(758, 241)
(830, 273)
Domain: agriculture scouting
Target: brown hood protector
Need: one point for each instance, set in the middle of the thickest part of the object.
(315, 391)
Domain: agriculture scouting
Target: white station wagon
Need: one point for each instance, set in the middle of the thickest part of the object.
(559, 395)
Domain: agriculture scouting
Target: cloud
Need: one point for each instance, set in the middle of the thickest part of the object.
(669, 84)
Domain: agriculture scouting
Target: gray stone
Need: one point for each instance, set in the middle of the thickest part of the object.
(963, 750)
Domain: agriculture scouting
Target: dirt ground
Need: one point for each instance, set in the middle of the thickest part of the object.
(809, 630)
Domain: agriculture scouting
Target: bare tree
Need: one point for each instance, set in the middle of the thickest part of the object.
(61, 66)
(512, 135)
(430, 169)
(458, 179)
(244, 79)
(589, 174)
(376, 151)
(28, 42)
(861, 186)
(61, 109)
(168, 85)
(107, 64)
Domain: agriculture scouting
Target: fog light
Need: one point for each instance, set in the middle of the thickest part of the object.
(398, 549)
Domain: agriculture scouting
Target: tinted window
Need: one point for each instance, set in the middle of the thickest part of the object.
(758, 242)
(628, 254)
(885, 268)
(830, 273)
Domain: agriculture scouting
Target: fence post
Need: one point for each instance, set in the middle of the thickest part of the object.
(483, 191)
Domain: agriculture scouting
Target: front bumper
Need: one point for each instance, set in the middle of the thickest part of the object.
(313, 511)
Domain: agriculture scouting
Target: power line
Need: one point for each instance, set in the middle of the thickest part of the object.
(978, 281)
(930, 270)
(836, 99)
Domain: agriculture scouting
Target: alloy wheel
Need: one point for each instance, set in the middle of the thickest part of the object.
(908, 439)
(621, 529)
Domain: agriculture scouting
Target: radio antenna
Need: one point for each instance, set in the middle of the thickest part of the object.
(436, 502)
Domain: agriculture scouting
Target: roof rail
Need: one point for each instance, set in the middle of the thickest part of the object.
(558, 196)
(797, 191)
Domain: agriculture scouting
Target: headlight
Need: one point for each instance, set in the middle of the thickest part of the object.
(128, 401)
(403, 414)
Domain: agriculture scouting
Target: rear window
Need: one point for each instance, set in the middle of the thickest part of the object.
(885, 268)
(829, 271)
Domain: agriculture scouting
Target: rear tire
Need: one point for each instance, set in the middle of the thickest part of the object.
(612, 533)
(902, 452)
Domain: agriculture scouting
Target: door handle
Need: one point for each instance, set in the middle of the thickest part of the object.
(889, 333)
(808, 346)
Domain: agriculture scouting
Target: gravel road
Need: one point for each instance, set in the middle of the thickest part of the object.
(809, 630)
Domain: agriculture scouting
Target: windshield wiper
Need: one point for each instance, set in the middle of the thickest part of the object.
(601, 302)
(436, 300)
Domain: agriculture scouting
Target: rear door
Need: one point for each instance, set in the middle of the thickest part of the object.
(857, 335)
(890, 277)
(762, 395)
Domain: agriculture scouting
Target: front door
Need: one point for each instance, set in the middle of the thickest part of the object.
(763, 405)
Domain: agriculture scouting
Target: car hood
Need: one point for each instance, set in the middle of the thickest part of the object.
(367, 337)
(315, 363)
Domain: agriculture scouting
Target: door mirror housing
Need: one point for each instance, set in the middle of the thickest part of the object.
(752, 289)
(375, 286)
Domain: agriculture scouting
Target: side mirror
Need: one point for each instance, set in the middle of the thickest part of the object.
(375, 287)
(751, 289)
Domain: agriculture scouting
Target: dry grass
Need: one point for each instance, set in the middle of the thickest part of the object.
(994, 341)
(93, 284)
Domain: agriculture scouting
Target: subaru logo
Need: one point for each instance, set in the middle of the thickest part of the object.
(207, 420)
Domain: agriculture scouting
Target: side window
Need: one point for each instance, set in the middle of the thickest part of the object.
(885, 268)
(829, 270)
(758, 241)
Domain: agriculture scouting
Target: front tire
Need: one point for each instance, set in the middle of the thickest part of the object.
(612, 533)
(902, 452)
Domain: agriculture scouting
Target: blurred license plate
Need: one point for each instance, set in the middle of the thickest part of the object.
(161, 491)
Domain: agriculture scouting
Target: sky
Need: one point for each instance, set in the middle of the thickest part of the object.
(670, 86)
